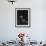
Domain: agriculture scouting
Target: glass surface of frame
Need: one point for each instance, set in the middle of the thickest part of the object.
(22, 17)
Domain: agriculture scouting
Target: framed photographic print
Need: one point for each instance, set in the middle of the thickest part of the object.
(22, 17)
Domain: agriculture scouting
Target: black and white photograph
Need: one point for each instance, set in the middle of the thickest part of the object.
(22, 17)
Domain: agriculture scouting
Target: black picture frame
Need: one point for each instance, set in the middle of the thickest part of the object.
(22, 17)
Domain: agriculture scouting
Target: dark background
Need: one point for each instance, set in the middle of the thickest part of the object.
(22, 17)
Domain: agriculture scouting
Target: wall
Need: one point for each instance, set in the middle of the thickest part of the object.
(8, 31)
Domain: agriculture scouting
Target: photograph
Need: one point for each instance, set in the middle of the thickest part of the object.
(22, 17)
(22, 22)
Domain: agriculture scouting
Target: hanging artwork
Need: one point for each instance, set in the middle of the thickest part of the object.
(22, 17)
